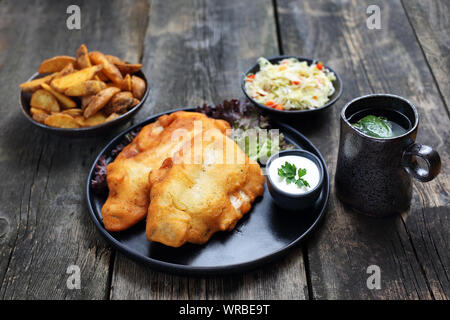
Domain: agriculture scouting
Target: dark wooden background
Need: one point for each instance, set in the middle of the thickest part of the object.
(194, 51)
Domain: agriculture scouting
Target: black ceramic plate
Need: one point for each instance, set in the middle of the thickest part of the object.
(263, 234)
(25, 98)
(289, 113)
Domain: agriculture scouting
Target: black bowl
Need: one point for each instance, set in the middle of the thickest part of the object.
(274, 60)
(295, 202)
(25, 98)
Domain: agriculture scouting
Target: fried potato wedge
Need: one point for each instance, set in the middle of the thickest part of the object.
(68, 69)
(65, 102)
(61, 84)
(85, 101)
(126, 68)
(55, 64)
(83, 57)
(109, 69)
(44, 100)
(85, 88)
(84, 61)
(93, 120)
(126, 83)
(36, 110)
(61, 120)
(38, 114)
(112, 116)
(99, 101)
(114, 59)
(102, 77)
(80, 120)
(138, 87)
(119, 103)
(33, 85)
(113, 85)
(135, 102)
(73, 112)
(123, 66)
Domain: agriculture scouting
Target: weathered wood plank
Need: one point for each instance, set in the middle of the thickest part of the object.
(431, 23)
(195, 53)
(412, 251)
(44, 222)
(285, 279)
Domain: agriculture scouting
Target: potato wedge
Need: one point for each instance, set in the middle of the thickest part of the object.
(99, 101)
(44, 100)
(114, 59)
(94, 120)
(65, 102)
(135, 102)
(123, 66)
(33, 85)
(85, 101)
(55, 64)
(73, 112)
(36, 110)
(61, 120)
(84, 61)
(126, 68)
(112, 116)
(138, 87)
(80, 120)
(61, 84)
(101, 76)
(68, 69)
(109, 69)
(38, 114)
(83, 57)
(113, 85)
(119, 103)
(85, 88)
(126, 83)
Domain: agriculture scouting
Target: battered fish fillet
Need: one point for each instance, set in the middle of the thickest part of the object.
(127, 175)
(191, 201)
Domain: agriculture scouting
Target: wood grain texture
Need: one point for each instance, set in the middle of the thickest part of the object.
(44, 222)
(430, 20)
(412, 250)
(195, 53)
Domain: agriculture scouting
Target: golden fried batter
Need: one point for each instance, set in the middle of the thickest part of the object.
(127, 175)
(190, 201)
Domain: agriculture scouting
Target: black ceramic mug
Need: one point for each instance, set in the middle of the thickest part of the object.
(373, 175)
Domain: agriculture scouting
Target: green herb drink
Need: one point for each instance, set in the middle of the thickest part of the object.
(378, 154)
(380, 123)
(379, 127)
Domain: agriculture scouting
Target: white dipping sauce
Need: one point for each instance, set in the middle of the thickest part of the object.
(312, 175)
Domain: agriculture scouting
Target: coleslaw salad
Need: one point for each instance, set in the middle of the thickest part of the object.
(290, 84)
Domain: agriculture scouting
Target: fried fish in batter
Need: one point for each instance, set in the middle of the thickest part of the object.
(190, 201)
(127, 175)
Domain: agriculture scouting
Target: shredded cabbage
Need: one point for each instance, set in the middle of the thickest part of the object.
(291, 84)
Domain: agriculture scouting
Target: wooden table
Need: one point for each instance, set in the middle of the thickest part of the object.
(193, 52)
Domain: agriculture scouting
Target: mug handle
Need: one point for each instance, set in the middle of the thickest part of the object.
(430, 157)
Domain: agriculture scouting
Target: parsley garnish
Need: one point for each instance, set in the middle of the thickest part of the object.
(289, 172)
